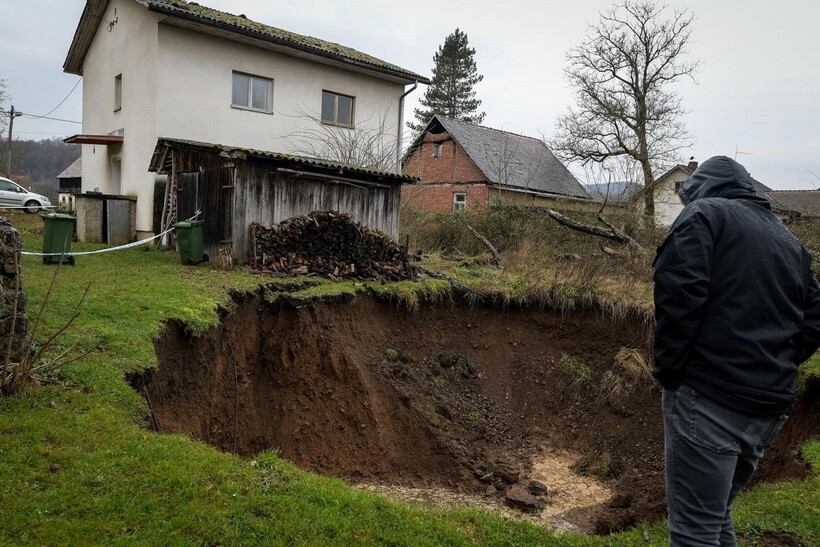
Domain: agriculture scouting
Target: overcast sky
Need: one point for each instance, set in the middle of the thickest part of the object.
(757, 93)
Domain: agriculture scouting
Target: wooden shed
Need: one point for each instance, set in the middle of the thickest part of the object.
(234, 187)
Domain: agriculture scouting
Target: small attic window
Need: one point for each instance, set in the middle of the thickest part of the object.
(437, 149)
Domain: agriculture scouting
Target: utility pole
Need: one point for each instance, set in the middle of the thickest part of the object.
(12, 114)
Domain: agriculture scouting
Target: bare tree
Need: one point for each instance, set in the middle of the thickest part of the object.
(621, 76)
(366, 144)
(3, 112)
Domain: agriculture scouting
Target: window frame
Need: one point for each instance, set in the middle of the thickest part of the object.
(118, 92)
(335, 120)
(437, 147)
(459, 205)
(251, 78)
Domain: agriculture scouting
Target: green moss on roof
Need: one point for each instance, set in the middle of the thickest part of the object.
(242, 23)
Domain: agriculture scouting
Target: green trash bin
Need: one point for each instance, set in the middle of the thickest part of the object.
(189, 241)
(58, 232)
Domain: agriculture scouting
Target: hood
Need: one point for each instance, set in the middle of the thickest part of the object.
(719, 176)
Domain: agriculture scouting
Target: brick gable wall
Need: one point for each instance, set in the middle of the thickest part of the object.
(441, 177)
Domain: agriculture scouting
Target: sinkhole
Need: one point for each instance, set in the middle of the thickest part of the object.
(448, 404)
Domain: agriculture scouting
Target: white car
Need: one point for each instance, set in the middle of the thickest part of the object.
(15, 196)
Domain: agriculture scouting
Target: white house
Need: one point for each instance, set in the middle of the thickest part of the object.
(668, 204)
(172, 69)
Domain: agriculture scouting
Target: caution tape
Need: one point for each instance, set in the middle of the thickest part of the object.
(110, 249)
(32, 207)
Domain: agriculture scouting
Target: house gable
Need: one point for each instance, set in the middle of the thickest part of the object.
(506, 160)
(445, 170)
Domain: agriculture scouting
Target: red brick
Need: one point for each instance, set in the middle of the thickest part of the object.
(441, 177)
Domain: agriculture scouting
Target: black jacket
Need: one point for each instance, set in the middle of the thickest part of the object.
(737, 307)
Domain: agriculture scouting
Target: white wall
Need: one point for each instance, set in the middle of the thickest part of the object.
(177, 83)
(129, 48)
(668, 203)
(195, 82)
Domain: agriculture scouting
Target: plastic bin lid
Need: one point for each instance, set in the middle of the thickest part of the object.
(59, 216)
(187, 223)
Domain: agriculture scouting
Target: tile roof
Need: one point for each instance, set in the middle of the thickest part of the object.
(510, 160)
(205, 19)
(805, 202)
(243, 25)
(234, 151)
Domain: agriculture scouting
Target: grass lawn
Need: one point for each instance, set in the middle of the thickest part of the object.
(78, 467)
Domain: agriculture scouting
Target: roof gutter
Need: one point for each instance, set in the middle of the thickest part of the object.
(400, 130)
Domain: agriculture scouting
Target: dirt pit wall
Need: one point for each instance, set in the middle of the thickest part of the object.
(454, 396)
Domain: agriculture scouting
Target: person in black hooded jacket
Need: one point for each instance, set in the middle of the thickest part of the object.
(737, 310)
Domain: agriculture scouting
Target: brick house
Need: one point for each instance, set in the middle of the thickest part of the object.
(465, 166)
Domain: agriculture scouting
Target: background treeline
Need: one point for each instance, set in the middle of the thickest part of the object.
(36, 164)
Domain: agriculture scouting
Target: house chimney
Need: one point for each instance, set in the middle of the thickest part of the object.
(692, 164)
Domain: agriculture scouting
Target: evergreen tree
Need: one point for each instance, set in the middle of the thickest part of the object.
(451, 92)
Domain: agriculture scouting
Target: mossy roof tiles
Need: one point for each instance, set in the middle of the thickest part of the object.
(241, 24)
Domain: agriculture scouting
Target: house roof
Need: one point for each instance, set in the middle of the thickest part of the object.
(236, 27)
(326, 168)
(508, 159)
(805, 202)
(73, 171)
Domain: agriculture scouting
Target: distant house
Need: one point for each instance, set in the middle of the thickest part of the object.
(174, 69)
(69, 182)
(463, 166)
(802, 203)
(234, 187)
(668, 204)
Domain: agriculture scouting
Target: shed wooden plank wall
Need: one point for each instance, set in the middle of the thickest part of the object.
(232, 194)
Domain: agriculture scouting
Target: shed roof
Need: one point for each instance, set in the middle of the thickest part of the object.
(73, 171)
(508, 159)
(291, 161)
(805, 202)
(204, 19)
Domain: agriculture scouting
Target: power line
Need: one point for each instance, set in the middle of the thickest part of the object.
(66, 98)
(53, 119)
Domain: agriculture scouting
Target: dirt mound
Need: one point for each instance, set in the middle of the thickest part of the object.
(329, 243)
(470, 398)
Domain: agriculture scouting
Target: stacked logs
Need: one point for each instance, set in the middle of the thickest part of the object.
(331, 244)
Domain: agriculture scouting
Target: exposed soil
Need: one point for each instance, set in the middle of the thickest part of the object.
(470, 399)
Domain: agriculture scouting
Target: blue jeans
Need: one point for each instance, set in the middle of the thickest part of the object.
(711, 453)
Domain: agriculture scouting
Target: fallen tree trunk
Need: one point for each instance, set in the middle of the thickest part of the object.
(485, 241)
(609, 233)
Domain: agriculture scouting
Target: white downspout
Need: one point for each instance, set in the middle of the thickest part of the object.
(400, 134)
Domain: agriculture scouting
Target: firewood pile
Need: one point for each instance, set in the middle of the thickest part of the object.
(331, 244)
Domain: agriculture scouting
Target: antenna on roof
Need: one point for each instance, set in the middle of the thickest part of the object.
(736, 153)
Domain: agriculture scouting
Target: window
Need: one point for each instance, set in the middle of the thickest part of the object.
(437, 150)
(117, 92)
(337, 109)
(252, 92)
(459, 201)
